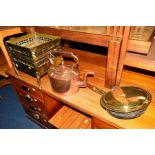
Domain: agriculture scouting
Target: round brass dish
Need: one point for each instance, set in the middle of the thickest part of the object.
(128, 102)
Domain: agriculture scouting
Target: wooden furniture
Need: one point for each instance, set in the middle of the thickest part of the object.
(138, 50)
(43, 105)
(67, 118)
(118, 40)
(108, 36)
(46, 110)
(137, 40)
(87, 102)
(3, 67)
(98, 124)
(37, 105)
(4, 58)
(4, 32)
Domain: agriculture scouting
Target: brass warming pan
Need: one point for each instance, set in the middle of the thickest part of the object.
(125, 102)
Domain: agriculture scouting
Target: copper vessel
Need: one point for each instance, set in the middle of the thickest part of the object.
(65, 77)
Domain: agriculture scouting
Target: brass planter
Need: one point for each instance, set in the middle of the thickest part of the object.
(29, 53)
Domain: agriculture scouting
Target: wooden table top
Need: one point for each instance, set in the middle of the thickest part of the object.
(88, 101)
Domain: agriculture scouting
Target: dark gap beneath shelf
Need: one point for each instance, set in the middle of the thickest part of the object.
(88, 47)
(138, 70)
(14, 36)
(137, 53)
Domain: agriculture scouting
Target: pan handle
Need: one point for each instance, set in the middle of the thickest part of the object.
(97, 90)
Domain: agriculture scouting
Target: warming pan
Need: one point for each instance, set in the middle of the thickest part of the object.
(125, 102)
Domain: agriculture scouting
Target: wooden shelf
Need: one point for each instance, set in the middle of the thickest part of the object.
(146, 62)
(90, 38)
(139, 61)
(138, 39)
(137, 51)
(139, 46)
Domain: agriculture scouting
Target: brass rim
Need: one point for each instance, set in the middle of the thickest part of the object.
(131, 107)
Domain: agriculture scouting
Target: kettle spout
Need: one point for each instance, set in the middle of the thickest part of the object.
(83, 84)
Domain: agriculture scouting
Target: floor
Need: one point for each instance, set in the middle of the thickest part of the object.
(12, 115)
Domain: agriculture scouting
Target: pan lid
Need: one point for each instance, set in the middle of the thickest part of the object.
(126, 99)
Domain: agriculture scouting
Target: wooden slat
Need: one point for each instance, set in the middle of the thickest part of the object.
(112, 61)
(115, 31)
(139, 61)
(138, 46)
(146, 62)
(122, 54)
(120, 33)
(94, 39)
(143, 33)
(151, 54)
(108, 30)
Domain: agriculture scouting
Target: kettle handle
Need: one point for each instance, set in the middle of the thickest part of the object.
(64, 54)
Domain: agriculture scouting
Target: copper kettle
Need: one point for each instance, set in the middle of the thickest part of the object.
(64, 78)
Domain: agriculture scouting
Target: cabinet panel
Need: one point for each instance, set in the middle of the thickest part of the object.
(67, 118)
(31, 102)
(37, 105)
(38, 118)
(98, 124)
(26, 88)
(52, 105)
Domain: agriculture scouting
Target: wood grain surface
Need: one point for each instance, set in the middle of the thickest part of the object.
(88, 101)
